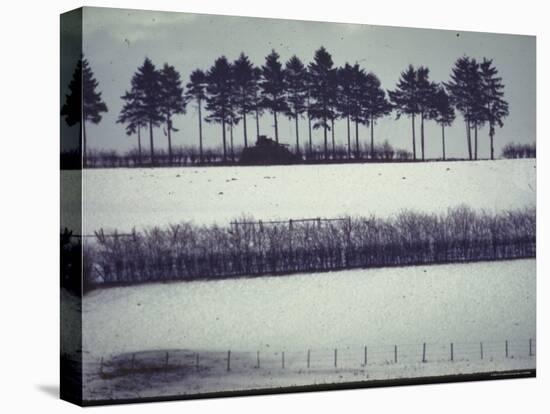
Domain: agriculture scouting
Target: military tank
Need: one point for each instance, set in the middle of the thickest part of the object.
(267, 151)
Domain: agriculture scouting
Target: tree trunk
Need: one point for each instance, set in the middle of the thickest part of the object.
(469, 139)
(297, 134)
(325, 137)
(349, 139)
(169, 133)
(475, 141)
(224, 141)
(139, 144)
(276, 127)
(414, 138)
(371, 138)
(333, 141)
(443, 139)
(356, 139)
(200, 133)
(491, 135)
(151, 143)
(422, 134)
(310, 139)
(257, 122)
(244, 129)
(231, 141)
(84, 154)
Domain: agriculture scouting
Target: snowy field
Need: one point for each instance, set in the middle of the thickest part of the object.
(173, 338)
(126, 198)
(180, 380)
(466, 304)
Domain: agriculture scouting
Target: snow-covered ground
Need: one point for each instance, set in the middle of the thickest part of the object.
(126, 198)
(461, 303)
(179, 379)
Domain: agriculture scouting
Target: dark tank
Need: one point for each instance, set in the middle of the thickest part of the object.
(266, 152)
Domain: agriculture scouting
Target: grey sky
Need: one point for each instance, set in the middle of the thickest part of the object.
(116, 42)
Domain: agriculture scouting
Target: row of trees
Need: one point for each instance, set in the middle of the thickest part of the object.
(320, 92)
(252, 248)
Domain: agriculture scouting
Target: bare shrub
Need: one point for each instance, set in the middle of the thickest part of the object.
(248, 247)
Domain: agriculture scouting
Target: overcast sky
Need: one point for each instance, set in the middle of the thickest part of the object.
(116, 42)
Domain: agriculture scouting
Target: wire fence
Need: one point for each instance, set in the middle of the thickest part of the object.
(364, 358)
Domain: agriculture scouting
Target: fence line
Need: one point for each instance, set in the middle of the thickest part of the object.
(346, 358)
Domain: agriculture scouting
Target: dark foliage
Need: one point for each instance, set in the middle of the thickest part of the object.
(149, 98)
(405, 99)
(443, 113)
(494, 105)
(374, 105)
(295, 78)
(519, 151)
(219, 98)
(133, 114)
(273, 88)
(84, 102)
(323, 92)
(427, 91)
(463, 75)
(246, 88)
(172, 101)
(72, 108)
(196, 90)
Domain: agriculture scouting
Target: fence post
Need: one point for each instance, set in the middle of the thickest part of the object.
(452, 352)
(258, 359)
(308, 357)
(283, 359)
(166, 362)
(395, 353)
(229, 360)
(530, 347)
(424, 352)
(365, 355)
(506, 348)
(481, 349)
(335, 358)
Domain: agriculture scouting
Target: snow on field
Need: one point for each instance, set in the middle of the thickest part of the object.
(126, 198)
(465, 304)
(490, 301)
(177, 381)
